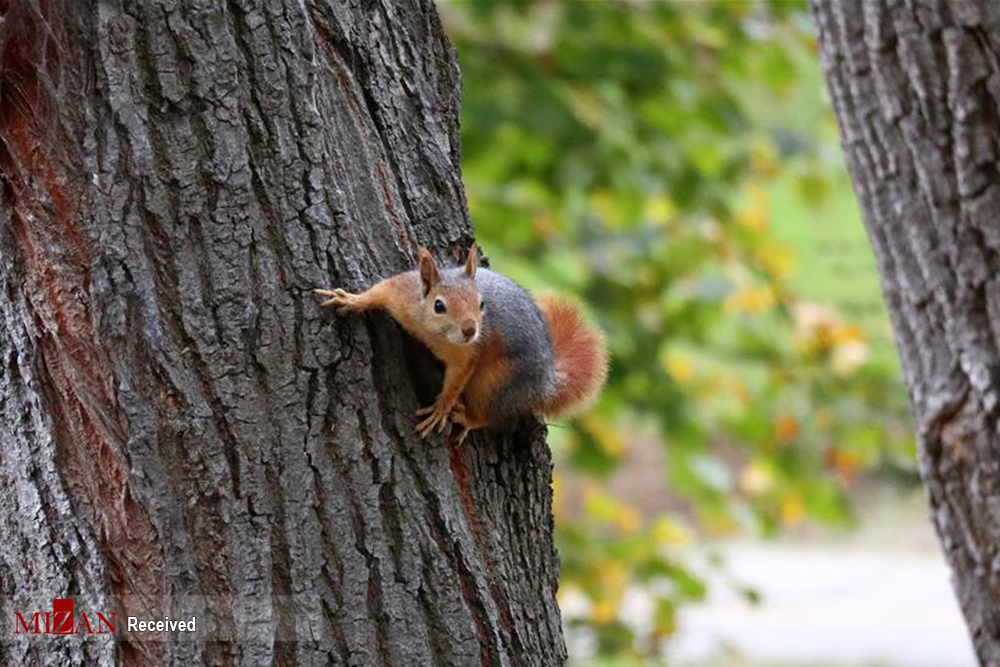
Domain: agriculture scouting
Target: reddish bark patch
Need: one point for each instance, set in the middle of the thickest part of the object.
(44, 193)
(464, 487)
(461, 474)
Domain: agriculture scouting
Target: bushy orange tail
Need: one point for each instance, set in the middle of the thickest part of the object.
(581, 358)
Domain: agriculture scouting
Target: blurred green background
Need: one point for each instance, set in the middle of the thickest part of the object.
(675, 166)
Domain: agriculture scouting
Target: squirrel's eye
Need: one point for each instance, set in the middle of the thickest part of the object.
(482, 305)
(439, 306)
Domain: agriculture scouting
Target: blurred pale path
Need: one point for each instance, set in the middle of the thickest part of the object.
(831, 607)
(862, 602)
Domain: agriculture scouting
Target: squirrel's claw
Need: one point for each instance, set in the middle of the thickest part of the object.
(437, 419)
(426, 427)
(339, 299)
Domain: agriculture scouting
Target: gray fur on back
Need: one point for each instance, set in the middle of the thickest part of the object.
(510, 310)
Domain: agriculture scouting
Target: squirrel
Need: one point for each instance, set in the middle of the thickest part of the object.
(504, 354)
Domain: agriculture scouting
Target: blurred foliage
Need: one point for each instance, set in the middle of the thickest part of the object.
(671, 165)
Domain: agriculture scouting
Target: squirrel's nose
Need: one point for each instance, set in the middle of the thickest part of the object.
(468, 329)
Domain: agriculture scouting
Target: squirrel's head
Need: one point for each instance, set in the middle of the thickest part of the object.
(451, 307)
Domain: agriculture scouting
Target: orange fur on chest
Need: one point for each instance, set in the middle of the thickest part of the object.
(449, 353)
(492, 370)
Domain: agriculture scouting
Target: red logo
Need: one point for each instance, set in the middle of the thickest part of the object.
(61, 621)
(62, 611)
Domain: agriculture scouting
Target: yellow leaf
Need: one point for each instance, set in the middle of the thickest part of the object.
(608, 509)
(660, 209)
(608, 438)
(603, 612)
(849, 333)
(792, 510)
(628, 520)
(612, 577)
(750, 300)
(679, 367)
(777, 261)
(754, 215)
(756, 478)
(764, 158)
(670, 532)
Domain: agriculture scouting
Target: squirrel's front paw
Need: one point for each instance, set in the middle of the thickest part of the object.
(437, 418)
(339, 299)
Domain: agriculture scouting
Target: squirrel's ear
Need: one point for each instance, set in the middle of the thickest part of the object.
(472, 263)
(429, 273)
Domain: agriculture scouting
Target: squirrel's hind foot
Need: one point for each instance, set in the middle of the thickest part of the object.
(460, 417)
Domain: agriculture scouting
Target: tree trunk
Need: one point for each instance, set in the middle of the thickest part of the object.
(182, 430)
(916, 89)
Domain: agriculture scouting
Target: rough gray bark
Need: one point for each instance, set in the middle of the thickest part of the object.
(916, 89)
(177, 417)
